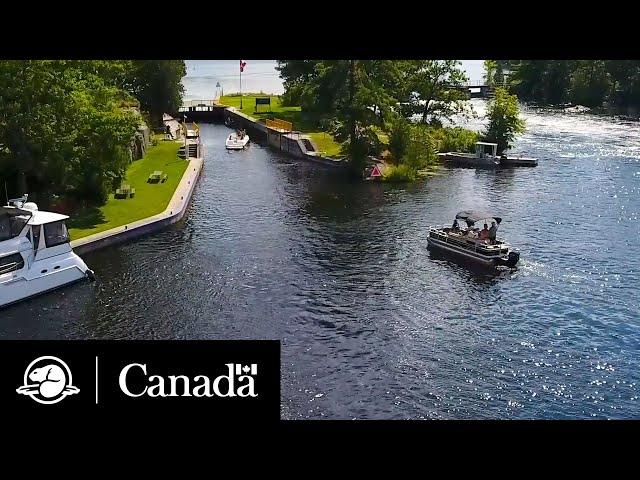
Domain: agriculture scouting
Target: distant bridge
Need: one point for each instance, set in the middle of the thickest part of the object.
(478, 90)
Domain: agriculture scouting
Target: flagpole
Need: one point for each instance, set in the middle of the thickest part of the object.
(240, 84)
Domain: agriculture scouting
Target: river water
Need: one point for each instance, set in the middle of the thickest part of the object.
(371, 325)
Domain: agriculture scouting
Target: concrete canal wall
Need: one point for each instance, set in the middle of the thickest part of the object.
(173, 213)
(294, 144)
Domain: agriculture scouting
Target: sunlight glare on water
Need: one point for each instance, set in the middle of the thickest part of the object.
(372, 325)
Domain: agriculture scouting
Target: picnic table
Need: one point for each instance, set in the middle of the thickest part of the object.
(157, 176)
(125, 191)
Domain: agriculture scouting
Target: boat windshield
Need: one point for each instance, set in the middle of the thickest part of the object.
(55, 234)
(11, 225)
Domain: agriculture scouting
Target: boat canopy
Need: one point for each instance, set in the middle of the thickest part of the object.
(12, 221)
(40, 218)
(473, 216)
(12, 211)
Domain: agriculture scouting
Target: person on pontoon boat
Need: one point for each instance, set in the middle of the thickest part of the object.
(493, 231)
(484, 233)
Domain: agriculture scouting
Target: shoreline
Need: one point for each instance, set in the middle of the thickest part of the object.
(292, 143)
(173, 213)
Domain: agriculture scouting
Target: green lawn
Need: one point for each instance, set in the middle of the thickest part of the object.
(150, 199)
(324, 141)
(326, 144)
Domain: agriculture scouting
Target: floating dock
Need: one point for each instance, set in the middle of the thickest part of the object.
(518, 162)
(470, 160)
(486, 157)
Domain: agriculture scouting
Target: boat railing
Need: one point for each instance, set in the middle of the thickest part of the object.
(498, 246)
(9, 267)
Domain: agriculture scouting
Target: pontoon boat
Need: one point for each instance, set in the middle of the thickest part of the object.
(468, 244)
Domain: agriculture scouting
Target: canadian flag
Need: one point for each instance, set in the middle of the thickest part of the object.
(242, 65)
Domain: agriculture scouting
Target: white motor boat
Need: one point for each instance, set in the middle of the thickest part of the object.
(237, 141)
(470, 245)
(35, 254)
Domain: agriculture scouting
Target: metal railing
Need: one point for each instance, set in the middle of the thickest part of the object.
(199, 103)
(278, 124)
(499, 244)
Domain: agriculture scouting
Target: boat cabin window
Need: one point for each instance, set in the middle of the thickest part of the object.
(485, 149)
(11, 226)
(55, 234)
(35, 230)
(11, 263)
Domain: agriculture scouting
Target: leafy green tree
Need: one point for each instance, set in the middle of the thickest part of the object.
(399, 138)
(352, 95)
(590, 83)
(490, 72)
(433, 89)
(360, 105)
(545, 81)
(625, 82)
(157, 84)
(296, 75)
(420, 151)
(504, 120)
(62, 130)
(586, 82)
(116, 73)
(454, 139)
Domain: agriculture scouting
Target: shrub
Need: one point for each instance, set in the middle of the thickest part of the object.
(420, 151)
(504, 120)
(456, 139)
(399, 139)
(399, 173)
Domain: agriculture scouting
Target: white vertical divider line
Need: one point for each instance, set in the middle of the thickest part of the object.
(96, 379)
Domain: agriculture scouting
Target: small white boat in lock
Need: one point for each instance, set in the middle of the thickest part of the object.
(35, 253)
(237, 141)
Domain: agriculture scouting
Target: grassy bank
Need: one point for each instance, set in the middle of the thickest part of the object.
(324, 141)
(150, 199)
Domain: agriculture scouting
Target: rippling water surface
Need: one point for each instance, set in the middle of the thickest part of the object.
(371, 325)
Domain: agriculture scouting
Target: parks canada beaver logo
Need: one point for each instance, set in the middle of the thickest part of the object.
(47, 380)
